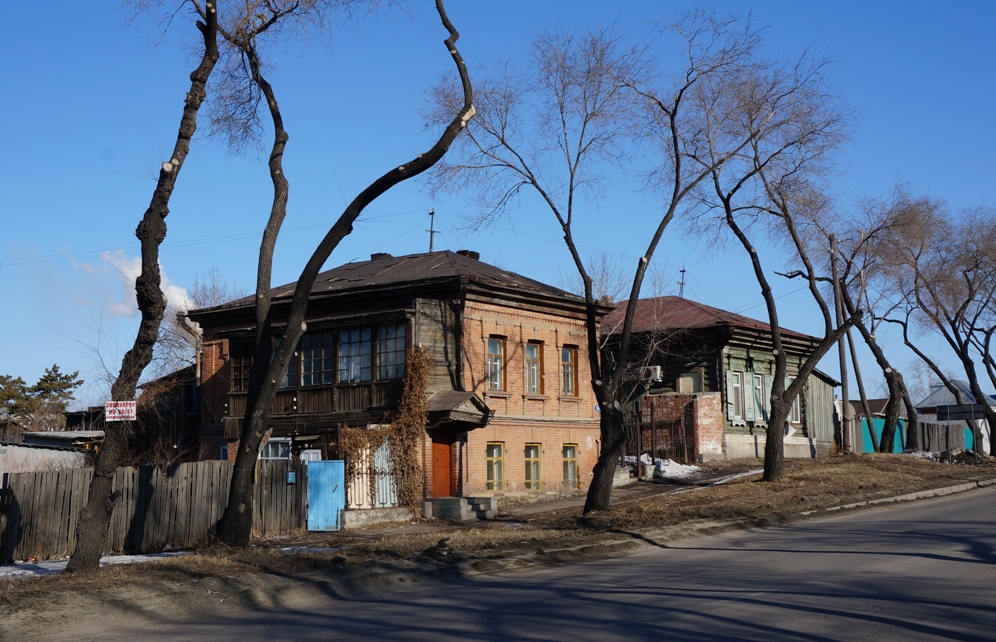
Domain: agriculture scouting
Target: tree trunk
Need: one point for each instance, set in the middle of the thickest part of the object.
(95, 517)
(235, 526)
(613, 441)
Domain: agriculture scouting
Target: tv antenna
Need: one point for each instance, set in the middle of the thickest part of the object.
(681, 283)
(432, 226)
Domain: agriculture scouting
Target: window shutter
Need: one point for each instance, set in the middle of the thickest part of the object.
(750, 397)
(767, 396)
(730, 392)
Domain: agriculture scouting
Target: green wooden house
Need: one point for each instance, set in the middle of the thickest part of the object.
(714, 369)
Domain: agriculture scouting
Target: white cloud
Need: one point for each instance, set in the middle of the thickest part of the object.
(123, 302)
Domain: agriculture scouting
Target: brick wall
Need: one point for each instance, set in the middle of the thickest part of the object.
(514, 435)
(215, 378)
(518, 328)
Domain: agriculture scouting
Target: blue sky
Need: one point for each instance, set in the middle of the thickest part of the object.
(93, 103)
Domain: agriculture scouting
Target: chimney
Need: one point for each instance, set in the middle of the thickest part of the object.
(376, 256)
(470, 254)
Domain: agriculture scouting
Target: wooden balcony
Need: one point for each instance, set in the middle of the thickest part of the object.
(325, 399)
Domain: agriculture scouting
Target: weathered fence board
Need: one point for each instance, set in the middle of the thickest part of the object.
(157, 508)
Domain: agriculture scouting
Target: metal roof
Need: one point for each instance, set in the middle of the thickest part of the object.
(673, 313)
(941, 396)
(384, 271)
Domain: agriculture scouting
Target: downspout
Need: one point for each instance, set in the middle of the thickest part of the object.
(195, 331)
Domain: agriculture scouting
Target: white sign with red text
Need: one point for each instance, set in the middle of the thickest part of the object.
(119, 411)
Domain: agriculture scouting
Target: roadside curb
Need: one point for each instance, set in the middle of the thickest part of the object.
(661, 536)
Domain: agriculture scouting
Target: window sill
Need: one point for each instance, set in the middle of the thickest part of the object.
(571, 399)
(535, 397)
(498, 394)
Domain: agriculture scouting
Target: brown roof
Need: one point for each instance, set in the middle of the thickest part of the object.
(384, 270)
(673, 313)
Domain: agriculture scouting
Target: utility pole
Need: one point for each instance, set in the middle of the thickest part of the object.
(432, 227)
(681, 283)
(845, 424)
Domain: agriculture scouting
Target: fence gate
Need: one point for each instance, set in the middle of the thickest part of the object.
(326, 494)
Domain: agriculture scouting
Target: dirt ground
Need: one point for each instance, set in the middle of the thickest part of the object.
(280, 572)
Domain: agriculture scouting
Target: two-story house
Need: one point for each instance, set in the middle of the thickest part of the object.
(510, 404)
(707, 375)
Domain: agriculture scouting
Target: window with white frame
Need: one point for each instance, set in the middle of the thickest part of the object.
(534, 368)
(278, 448)
(496, 363)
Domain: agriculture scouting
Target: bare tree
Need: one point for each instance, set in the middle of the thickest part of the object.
(95, 517)
(776, 185)
(557, 127)
(864, 240)
(946, 275)
(273, 351)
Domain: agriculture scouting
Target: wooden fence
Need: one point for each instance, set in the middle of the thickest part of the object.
(157, 509)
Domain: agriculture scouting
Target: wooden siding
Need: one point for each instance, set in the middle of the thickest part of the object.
(818, 410)
(436, 330)
(344, 398)
(157, 508)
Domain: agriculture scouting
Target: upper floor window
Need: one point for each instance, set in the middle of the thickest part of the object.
(569, 371)
(534, 368)
(391, 351)
(335, 356)
(355, 355)
(317, 359)
(496, 363)
(240, 373)
(289, 380)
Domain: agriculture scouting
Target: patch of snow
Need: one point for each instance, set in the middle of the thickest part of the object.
(668, 469)
(294, 550)
(50, 567)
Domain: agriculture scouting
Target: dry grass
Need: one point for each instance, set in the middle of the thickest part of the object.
(807, 486)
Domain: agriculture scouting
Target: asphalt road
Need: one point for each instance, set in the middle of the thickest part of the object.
(920, 571)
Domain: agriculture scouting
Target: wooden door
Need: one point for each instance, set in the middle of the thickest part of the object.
(442, 469)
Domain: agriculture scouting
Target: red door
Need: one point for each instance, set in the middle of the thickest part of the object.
(442, 469)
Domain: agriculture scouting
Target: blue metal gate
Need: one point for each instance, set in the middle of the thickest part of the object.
(326, 494)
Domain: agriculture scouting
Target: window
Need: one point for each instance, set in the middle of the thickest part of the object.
(760, 414)
(289, 380)
(496, 363)
(496, 466)
(570, 455)
(532, 467)
(276, 449)
(355, 355)
(795, 413)
(569, 371)
(534, 368)
(737, 395)
(240, 373)
(317, 359)
(390, 351)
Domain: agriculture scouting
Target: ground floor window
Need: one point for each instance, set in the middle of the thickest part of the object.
(570, 454)
(533, 467)
(276, 449)
(496, 466)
